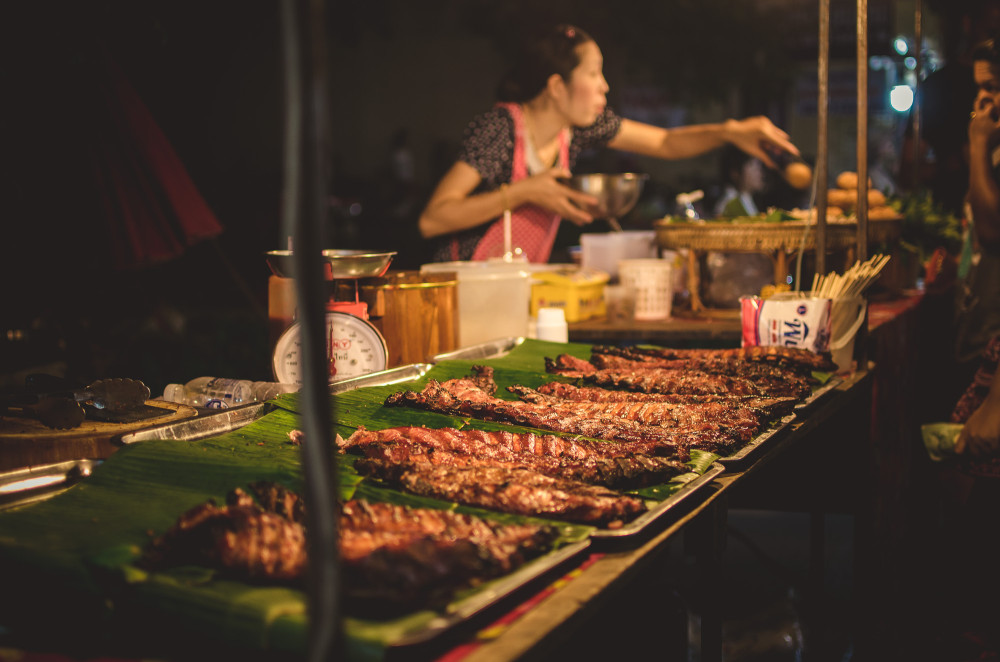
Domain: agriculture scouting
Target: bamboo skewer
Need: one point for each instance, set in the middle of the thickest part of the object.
(852, 282)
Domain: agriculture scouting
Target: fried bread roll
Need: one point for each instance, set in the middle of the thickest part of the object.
(848, 180)
(882, 213)
(842, 198)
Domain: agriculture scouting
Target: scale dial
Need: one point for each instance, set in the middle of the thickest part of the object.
(353, 347)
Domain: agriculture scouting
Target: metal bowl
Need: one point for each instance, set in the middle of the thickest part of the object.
(340, 263)
(616, 193)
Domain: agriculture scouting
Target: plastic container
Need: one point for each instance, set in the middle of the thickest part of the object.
(649, 283)
(579, 292)
(220, 393)
(552, 325)
(603, 251)
(846, 317)
(416, 312)
(493, 299)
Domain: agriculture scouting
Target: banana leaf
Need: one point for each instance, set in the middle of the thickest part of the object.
(71, 559)
(524, 365)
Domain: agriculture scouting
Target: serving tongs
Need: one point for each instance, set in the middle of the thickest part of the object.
(62, 404)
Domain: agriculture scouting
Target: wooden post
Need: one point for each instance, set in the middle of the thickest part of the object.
(822, 142)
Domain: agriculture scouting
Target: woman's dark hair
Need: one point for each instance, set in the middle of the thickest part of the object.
(988, 51)
(554, 52)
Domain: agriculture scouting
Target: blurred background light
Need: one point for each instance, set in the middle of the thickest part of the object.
(901, 98)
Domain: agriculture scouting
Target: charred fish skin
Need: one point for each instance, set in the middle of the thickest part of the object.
(644, 439)
(653, 379)
(801, 360)
(661, 380)
(758, 372)
(768, 408)
(394, 558)
(741, 424)
(450, 447)
(515, 491)
(241, 540)
(404, 557)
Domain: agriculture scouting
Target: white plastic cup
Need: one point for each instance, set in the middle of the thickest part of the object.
(552, 325)
(649, 283)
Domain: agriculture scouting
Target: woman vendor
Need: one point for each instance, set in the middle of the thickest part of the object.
(553, 106)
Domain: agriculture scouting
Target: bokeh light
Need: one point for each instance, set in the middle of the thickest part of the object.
(901, 98)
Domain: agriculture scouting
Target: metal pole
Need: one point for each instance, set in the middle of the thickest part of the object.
(862, 205)
(306, 150)
(822, 137)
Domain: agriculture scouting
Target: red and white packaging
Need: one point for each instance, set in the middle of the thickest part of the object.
(790, 321)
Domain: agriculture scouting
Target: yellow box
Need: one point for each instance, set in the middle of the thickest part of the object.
(579, 292)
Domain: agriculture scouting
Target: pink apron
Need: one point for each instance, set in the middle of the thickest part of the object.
(533, 228)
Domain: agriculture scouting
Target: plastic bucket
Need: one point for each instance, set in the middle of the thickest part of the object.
(493, 299)
(649, 285)
(847, 315)
(603, 251)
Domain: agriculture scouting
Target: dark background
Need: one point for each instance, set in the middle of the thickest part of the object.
(210, 75)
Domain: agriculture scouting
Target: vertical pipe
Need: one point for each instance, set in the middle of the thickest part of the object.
(304, 209)
(862, 205)
(822, 134)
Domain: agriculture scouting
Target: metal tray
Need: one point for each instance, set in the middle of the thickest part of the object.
(752, 446)
(639, 524)
(494, 593)
(487, 350)
(458, 612)
(227, 420)
(200, 427)
(23, 486)
(398, 375)
(344, 264)
(818, 395)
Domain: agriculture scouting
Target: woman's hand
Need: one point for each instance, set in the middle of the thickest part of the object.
(752, 133)
(545, 190)
(984, 124)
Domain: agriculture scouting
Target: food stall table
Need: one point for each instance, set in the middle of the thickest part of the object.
(617, 567)
(575, 607)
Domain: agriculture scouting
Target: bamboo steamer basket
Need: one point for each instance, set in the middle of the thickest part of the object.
(417, 313)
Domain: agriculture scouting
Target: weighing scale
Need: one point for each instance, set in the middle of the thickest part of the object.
(354, 346)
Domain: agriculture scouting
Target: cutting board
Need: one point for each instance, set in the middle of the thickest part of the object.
(25, 442)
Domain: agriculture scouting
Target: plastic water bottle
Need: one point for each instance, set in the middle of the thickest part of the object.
(219, 393)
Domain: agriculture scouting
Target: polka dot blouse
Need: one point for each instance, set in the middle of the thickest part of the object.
(488, 146)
